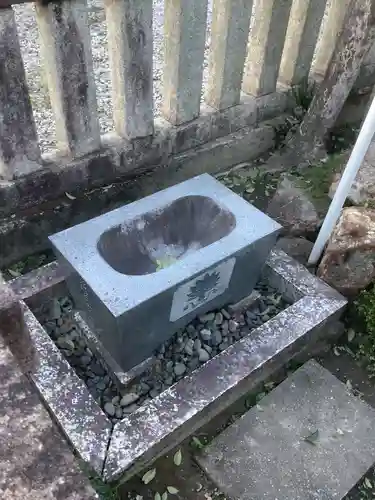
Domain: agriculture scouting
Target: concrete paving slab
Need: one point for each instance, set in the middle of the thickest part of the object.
(35, 462)
(309, 439)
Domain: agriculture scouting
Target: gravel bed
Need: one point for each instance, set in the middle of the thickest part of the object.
(202, 339)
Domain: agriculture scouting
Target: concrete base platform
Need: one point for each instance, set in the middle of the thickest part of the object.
(308, 439)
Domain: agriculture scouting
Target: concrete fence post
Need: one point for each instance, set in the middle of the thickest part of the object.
(266, 46)
(302, 35)
(66, 50)
(130, 51)
(19, 150)
(229, 36)
(331, 29)
(184, 38)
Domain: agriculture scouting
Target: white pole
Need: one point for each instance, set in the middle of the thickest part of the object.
(356, 158)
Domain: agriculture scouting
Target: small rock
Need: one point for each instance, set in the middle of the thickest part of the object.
(168, 381)
(101, 385)
(203, 355)
(129, 409)
(219, 318)
(55, 310)
(205, 334)
(65, 343)
(298, 248)
(128, 399)
(293, 209)
(205, 318)
(191, 329)
(169, 366)
(118, 413)
(179, 369)
(189, 346)
(348, 263)
(207, 348)
(116, 400)
(154, 393)
(225, 313)
(216, 338)
(110, 409)
(193, 363)
(85, 360)
(145, 387)
(225, 327)
(197, 344)
(233, 325)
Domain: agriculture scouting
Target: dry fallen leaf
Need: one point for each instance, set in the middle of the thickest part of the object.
(149, 476)
(177, 459)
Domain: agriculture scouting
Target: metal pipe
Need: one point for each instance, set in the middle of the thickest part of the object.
(355, 161)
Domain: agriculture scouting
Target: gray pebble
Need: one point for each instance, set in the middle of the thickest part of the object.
(179, 369)
(193, 363)
(205, 318)
(169, 366)
(55, 310)
(154, 393)
(225, 328)
(101, 385)
(205, 334)
(110, 409)
(65, 343)
(203, 355)
(168, 381)
(219, 319)
(116, 400)
(207, 348)
(197, 344)
(118, 413)
(85, 360)
(189, 346)
(225, 313)
(129, 409)
(233, 325)
(216, 338)
(128, 399)
(190, 329)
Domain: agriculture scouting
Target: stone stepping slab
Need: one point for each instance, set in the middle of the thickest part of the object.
(309, 438)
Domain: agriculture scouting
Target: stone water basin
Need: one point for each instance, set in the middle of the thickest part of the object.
(145, 270)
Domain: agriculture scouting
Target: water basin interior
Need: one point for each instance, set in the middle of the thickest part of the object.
(159, 238)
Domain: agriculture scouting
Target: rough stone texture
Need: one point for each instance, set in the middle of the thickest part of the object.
(303, 30)
(66, 49)
(118, 296)
(13, 328)
(35, 462)
(265, 455)
(181, 410)
(130, 51)
(38, 281)
(19, 150)
(229, 37)
(298, 248)
(184, 31)
(348, 263)
(331, 28)
(266, 46)
(293, 209)
(353, 44)
(79, 417)
(362, 190)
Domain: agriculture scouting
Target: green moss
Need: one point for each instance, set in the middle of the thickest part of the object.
(317, 179)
